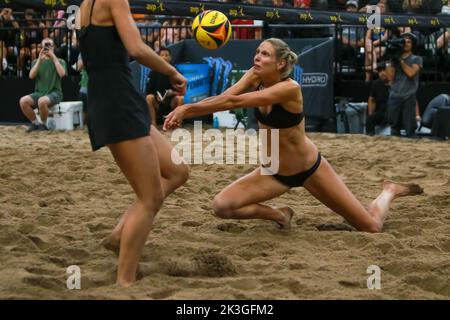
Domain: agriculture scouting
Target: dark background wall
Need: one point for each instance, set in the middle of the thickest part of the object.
(11, 90)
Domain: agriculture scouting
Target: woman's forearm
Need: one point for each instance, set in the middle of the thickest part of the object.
(209, 105)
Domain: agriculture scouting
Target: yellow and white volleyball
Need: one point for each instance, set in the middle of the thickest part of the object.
(212, 29)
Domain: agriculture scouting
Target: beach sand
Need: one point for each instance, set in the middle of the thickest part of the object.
(58, 200)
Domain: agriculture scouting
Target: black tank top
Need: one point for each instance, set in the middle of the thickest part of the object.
(102, 48)
(279, 117)
(117, 110)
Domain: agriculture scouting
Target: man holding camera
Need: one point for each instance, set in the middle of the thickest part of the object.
(404, 71)
(48, 71)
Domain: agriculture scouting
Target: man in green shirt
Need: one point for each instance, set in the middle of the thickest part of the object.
(48, 71)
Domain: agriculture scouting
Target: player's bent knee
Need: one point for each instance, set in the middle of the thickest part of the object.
(222, 208)
(183, 174)
(154, 202)
(43, 102)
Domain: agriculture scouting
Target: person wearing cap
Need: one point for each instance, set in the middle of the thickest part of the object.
(402, 97)
(378, 99)
(351, 5)
(7, 36)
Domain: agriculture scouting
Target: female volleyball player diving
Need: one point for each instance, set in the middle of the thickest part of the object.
(280, 106)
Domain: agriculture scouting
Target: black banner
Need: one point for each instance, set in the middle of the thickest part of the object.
(315, 73)
(268, 14)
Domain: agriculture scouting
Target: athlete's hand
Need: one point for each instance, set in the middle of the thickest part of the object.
(175, 118)
(178, 82)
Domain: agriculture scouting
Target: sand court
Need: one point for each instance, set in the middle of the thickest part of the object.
(58, 200)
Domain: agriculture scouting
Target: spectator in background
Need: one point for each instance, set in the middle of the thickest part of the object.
(69, 49)
(161, 99)
(185, 31)
(149, 30)
(402, 103)
(60, 32)
(352, 38)
(378, 98)
(446, 7)
(302, 4)
(248, 32)
(170, 34)
(30, 39)
(444, 39)
(7, 37)
(47, 71)
(365, 5)
(336, 5)
(422, 6)
(395, 6)
(320, 4)
(375, 47)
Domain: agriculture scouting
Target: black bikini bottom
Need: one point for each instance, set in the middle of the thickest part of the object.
(297, 180)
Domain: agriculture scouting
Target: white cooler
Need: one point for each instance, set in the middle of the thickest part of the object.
(67, 114)
(64, 115)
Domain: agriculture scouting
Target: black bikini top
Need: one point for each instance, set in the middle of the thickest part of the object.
(278, 117)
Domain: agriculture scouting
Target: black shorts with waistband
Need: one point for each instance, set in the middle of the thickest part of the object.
(298, 180)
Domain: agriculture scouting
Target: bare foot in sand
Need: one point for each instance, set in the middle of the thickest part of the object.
(402, 189)
(124, 284)
(112, 242)
(288, 213)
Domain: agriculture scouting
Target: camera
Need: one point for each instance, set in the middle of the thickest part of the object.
(47, 46)
(394, 48)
